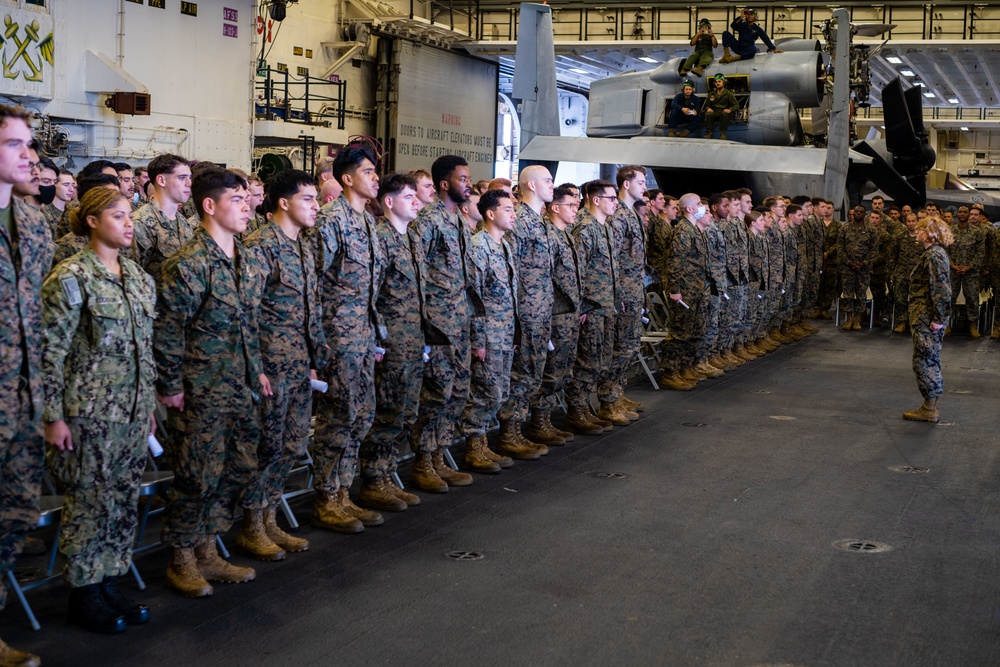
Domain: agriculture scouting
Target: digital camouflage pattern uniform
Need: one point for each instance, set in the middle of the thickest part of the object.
(291, 344)
(906, 251)
(630, 246)
(815, 234)
(98, 371)
(349, 262)
(25, 258)
(688, 274)
(930, 301)
(533, 262)
(758, 287)
(790, 284)
(495, 281)
(734, 328)
(857, 242)
(718, 298)
(157, 238)
(803, 266)
(206, 345)
(567, 306)
(52, 216)
(880, 271)
(968, 249)
(440, 242)
(775, 276)
(830, 280)
(659, 233)
(598, 262)
(398, 375)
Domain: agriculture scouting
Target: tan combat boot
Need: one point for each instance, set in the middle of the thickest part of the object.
(499, 459)
(253, 539)
(708, 370)
(328, 514)
(726, 55)
(619, 406)
(411, 499)
(576, 420)
(215, 568)
(592, 417)
(689, 374)
(848, 322)
(808, 327)
(928, 412)
(368, 518)
(11, 657)
(510, 445)
(719, 363)
(974, 331)
(674, 382)
(445, 472)
(376, 495)
(629, 404)
(741, 352)
(947, 330)
(183, 575)
(608, 412)
(547, 418)
(287, 542)
(900, 328)
(536, 430)
(856, 322)
(424, 476)
(543, 450)
(734, 360)
(996, 332)
(475, 458)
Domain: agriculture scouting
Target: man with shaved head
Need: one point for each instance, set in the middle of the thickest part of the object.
(329, 191)
(532, 258)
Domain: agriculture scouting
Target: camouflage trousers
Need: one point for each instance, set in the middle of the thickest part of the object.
(593, 356)
(628, 333)
(810, 290)
(687, 331)
(100, 480)
(828, 286)
(854, 289)
(397, 395)
(443, 392)
(927, 361)
(559, 362)
(284, 435)
(756, 305)
(879, 285)
(711, 309)
(968, 284)
(901, 297)
(22, 459)
(489, 388)
(527, 369)
(788, 300)
(772, 308)
(798, 296)
(734, 317)
(214, 457)
(344, 415)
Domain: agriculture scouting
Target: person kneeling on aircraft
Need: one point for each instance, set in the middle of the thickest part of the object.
(684, 112)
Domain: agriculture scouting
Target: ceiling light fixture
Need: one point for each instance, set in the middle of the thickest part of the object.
(647, 59)
(964, 128)
(929, 95)
(952, 100)
(895, 60)
(578, 70)
(907, 72)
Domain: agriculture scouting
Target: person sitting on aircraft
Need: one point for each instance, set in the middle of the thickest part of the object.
(720, 105)
(684, 112)
(744, 46)
(703, 42)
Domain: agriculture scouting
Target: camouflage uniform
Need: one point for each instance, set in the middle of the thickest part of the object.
(968, 249)
(803, 266)
(188, 209)
(992, 266)
(206, 345)
(440, 242)
(906, 251)
(24, 261)
(62, 226)
(791, 284)
(688, 274)
(735, 328)
(349, 262)
(830, 278)
(630, 246)
(98, 371)
(718, 299)
(816, 245)
(857, 242)
(52, 216)
(930, 301)
(599, 263)
(880, 272)
(775, 277)
(659, 233)
(70, 244)
(291, 343)
(156, 238)
(495, 281)
(533, 263)
(566, 308)
(758, 285)
(398, 375)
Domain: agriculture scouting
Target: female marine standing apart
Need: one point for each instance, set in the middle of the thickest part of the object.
(98, 373)
(930, 312)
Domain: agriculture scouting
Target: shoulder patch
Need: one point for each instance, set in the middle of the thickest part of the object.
(72, 290)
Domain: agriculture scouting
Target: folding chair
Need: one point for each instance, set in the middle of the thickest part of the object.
(50, 509)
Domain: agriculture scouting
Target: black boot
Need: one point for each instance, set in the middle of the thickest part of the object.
(88, 609)
(134, 613)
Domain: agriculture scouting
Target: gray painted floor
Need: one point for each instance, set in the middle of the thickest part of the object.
(716, 548)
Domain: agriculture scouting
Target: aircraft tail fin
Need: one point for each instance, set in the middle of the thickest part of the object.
(838, 135)
(534, 85)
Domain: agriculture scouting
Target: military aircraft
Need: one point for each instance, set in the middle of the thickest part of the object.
(627, 118)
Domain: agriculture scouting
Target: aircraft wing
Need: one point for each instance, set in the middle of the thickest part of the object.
(674, 153)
